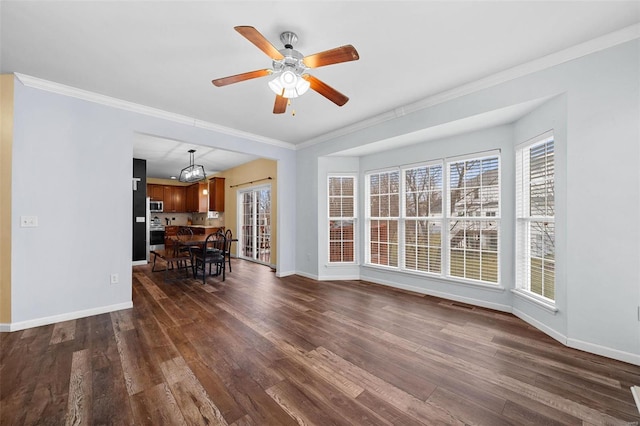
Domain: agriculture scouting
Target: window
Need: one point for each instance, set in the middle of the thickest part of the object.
(474, 218)
(423, 218)
(342, 215)
(383, 190)
(439, 218)
(535, 217)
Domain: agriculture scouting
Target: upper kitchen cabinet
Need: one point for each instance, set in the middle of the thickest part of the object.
(216, 194)
(175, 198)
(155, 192)
(197, 198)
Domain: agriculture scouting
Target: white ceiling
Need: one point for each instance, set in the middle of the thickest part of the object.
(166, 157)
(164, 54)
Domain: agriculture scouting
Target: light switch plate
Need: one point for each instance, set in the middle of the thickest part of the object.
(28, 221)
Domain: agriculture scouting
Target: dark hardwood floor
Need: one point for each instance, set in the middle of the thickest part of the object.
(260, 350)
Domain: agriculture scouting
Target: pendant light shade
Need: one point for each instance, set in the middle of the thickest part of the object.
(193, 172)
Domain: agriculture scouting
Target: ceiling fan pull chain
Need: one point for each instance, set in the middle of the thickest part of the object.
(293, 111)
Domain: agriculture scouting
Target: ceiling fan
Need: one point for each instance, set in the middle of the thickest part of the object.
(290, 68)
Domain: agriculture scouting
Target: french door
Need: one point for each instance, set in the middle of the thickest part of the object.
(255, 224)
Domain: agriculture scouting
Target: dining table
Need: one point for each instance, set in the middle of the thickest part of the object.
(188, 240)
(192, 240)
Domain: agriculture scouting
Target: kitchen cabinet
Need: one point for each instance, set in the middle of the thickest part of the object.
(174, 199)
(155, 192)
(197, 198)
(216, 194)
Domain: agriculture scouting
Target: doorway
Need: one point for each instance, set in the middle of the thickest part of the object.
(254, 217)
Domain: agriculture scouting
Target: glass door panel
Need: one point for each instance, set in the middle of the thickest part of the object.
(255, 229)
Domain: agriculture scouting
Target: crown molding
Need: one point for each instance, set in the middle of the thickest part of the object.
(61, 89)
(623, 35)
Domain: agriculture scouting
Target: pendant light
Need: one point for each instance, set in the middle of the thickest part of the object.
(193, 172)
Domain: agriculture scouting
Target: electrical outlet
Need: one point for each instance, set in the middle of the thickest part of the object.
(28, 221)
(115, 279)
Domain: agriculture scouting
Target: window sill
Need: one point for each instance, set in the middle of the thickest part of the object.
(341, 265)
(447, 280)
(528, 297)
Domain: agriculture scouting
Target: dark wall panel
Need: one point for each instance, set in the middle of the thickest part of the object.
(140, 210)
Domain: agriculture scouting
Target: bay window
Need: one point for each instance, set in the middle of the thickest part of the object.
(439, 218)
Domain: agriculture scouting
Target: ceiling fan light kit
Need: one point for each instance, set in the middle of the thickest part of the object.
(288, 82)
(290, 68)
(289, 85)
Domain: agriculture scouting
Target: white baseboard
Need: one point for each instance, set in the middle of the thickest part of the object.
(307, 275)
(338, 277)
(629, 357)
(449, 296)
(139, 262)
(540, 326)
(22, 325)
(635, 391)
(285, 273)
(579, 344)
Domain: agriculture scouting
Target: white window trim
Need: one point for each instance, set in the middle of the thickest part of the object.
(535, 299)
(521, 289)
(329, 218)
(368, 218)
(444, 219)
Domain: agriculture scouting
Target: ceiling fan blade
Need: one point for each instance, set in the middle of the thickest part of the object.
(260, 42)
(325, 90)
(334, 56)
(219, 82)
(280, 105)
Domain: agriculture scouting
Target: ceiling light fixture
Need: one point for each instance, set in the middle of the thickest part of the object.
(289, 85)
(193, 172)
(289, 82)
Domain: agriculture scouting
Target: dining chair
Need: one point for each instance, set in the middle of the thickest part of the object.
(228, 235)
(212, 253)
(182, 250)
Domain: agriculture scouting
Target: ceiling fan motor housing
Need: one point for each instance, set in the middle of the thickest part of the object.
(288, 38)
(288, 71)
(292, 61)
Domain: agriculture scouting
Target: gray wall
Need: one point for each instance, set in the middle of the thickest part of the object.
(78, 158)
(593, 105)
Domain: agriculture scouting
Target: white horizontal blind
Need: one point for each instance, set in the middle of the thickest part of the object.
(422, 218)
(473, 214)
(342, 217)
(383, 211)
(535, 221)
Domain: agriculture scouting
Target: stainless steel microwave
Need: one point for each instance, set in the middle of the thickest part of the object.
(156, 206)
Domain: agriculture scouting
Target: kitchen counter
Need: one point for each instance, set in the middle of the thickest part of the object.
(205, 229)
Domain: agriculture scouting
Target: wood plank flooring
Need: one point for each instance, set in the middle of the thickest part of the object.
(262, 350)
